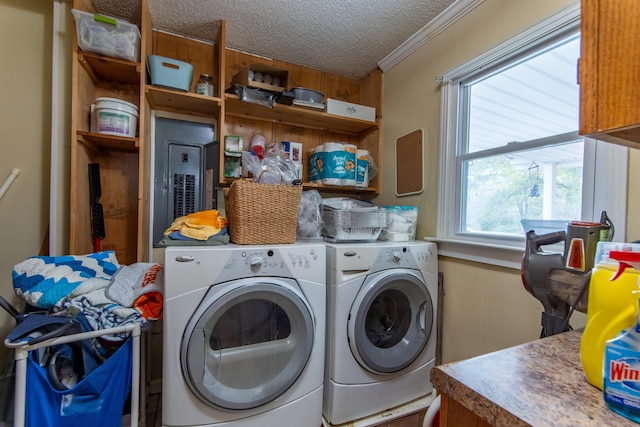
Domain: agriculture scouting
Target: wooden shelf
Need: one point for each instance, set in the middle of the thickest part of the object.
(166, 99)
(296, 116)
(97, 141)
(320, 187)
(338, 189)
(101, 67)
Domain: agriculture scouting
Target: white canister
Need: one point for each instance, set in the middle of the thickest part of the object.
(115, 117)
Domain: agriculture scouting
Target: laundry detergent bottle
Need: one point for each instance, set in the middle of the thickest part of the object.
(612, 305)
(622, 355)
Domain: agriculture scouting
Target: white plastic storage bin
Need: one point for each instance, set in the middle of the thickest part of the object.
(169, 72)
(107, 36)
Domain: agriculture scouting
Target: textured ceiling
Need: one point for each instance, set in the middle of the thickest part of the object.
(345, 37)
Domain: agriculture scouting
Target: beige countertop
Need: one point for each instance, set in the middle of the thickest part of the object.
(540, 383)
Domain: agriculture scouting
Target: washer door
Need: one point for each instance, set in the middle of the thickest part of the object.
(390, 321)
(245, 348)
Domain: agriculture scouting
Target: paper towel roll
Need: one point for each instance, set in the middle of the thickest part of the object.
(349, 179)
(362, 168)
(334, 163)
(316, 164)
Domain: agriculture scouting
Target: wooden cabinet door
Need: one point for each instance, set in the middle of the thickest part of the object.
(609, 72)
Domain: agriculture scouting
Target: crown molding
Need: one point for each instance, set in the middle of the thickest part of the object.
(450, 15)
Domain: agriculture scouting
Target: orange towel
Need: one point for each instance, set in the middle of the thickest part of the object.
(199, 225)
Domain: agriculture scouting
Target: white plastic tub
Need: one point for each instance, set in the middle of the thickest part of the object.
(115, 117)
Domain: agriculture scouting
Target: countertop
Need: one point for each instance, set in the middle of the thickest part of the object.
(540, 383)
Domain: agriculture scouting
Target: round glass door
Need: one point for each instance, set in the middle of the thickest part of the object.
(245, 348)
(390, 321)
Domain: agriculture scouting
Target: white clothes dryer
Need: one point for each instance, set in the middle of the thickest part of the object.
(381, 327)
(244, 330)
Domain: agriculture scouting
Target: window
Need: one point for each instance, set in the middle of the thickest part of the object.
(511, 156)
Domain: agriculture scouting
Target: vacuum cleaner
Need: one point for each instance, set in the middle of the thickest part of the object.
(560, 280)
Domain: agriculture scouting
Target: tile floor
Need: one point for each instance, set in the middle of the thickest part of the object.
(154, 411)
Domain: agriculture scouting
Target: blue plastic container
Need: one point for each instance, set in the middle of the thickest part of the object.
(169, 72)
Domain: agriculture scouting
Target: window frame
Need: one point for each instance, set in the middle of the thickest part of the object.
(605, 165)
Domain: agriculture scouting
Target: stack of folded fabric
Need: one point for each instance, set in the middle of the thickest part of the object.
(140, 286)
(104, 292)
(206, 227)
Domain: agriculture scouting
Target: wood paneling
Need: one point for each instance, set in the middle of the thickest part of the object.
(200, 55)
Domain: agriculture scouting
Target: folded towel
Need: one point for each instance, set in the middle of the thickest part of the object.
(221, 238)
(140, 286)
(199, 225)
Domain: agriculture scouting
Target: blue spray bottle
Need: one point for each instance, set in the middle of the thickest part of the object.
(621, 370)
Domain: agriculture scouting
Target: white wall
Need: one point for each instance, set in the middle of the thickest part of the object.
(25, 112)
(485, 308)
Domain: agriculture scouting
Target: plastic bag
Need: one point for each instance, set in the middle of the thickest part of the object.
(373, 169)
(274, 168)
(310, 221)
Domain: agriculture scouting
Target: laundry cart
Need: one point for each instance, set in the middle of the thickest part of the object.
(93, 399)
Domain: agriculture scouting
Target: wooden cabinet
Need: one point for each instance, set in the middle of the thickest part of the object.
(609, 71)
(454, 414)
(125, 163)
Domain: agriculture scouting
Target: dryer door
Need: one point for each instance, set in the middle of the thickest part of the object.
(246, 347)
(390, 321)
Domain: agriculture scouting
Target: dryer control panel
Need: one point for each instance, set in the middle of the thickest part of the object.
(281, 262)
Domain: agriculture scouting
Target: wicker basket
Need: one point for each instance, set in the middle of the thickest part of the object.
(262, 214)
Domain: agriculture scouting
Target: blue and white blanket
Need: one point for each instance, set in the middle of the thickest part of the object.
(73, 284)
(45, 281)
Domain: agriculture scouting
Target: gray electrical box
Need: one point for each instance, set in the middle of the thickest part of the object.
(186, 171)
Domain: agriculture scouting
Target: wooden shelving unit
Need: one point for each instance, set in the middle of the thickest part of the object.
(125, 163)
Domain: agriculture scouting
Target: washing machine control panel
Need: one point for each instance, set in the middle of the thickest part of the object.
(402, 256)
(269, 262)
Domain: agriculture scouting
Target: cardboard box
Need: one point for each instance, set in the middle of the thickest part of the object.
(242, 78)
(294, 151)
(233, 143)
(232, 164)
(347, 109)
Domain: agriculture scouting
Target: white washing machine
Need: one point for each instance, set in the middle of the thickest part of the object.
(244, 330)
(381, 327)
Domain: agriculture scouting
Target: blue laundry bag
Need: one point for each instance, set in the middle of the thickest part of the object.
(96, 400)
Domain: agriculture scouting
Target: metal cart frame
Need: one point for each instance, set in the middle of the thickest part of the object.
(22, 351)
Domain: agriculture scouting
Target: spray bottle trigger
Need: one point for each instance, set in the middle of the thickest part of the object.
(626, 259)
(621, 268)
